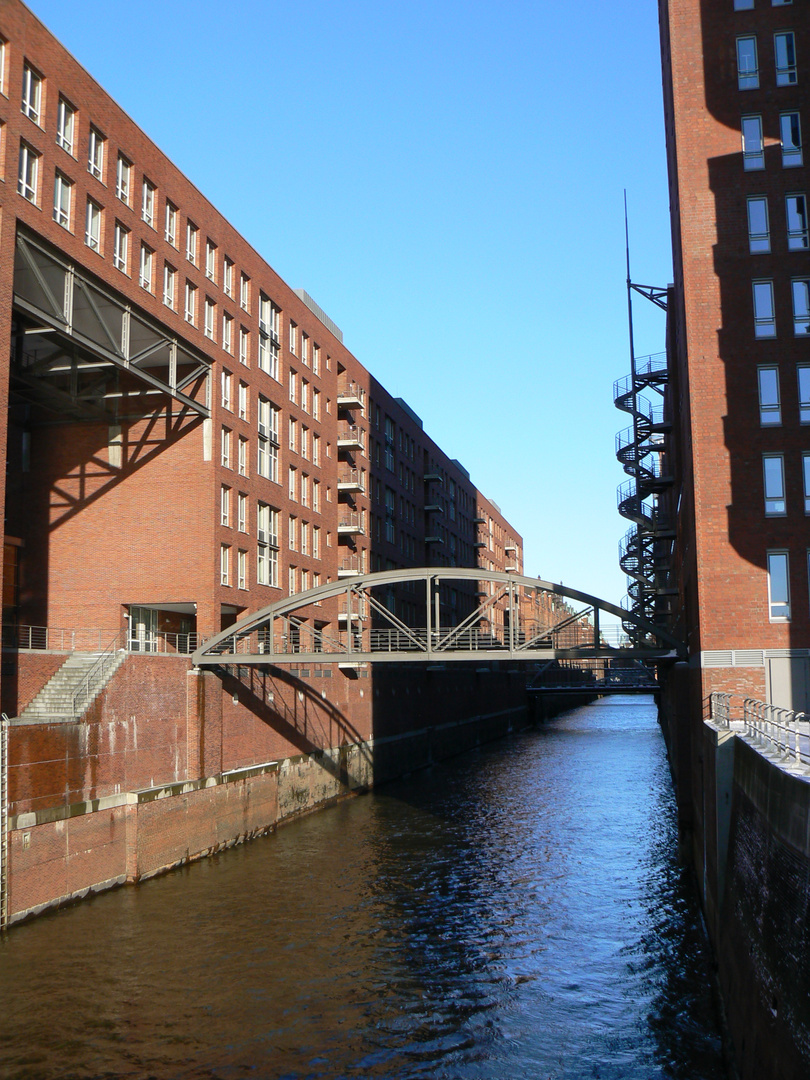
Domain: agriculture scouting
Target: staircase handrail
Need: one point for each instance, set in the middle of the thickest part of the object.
(83, 694)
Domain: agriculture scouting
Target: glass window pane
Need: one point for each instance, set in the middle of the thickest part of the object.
(796, 222)
(747, 72)
(801, 306)
(758, 234)
(778, 585)
(769, 407)
(773, 471)
(791, 132)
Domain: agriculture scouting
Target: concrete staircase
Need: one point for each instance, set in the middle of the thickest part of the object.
(74, 687)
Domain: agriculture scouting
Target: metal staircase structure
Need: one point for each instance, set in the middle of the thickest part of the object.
(645, 552)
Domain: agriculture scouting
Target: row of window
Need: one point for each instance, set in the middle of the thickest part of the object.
(753, 143)
(784, 49)
(765, 314)
(759, 229)
(747, 5)
(770, 400)
(773, 469)
(66, 137)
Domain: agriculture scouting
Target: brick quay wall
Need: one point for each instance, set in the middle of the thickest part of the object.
(171, 764)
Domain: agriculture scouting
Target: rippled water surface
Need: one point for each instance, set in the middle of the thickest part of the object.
(517, 912)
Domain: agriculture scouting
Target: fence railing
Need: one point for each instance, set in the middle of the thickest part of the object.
(55, 639)
(784, 730)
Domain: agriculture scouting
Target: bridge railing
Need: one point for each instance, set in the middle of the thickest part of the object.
(783, 730)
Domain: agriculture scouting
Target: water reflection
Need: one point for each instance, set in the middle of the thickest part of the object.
(520, 911)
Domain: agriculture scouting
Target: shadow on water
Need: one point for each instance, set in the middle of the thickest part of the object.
(519, 911)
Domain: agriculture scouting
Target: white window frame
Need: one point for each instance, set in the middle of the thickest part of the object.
(146, 264)
(784, 55)
(210, 260)
(92, 226)
(293, 331)
(773, 474)
(790, 131)
(244, 292)
(225, 564)
(62, 200)
(227, 276)
(169, 285)
(225, 506)
(192, 235)
(148, 196)
(226, 382)
(778, 569)
(170, 224)
(210, 318)
(244, 346)
(65, 125)
(770, 406)
(121, 247)
(225, 448)
(759, 231)
(243, 391)
(242, 569)
(123, 179)
(95, 153)
(227, 332)
(190, 303)
(747, 75)
(241, 512)
(28, 172)
(31, 103)
(796, 218)
(243, 451)
(764, 312)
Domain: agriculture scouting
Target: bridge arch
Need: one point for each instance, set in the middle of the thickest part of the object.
(541, 621)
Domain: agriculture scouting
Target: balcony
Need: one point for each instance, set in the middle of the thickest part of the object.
(479, 543)
(351, 396)
(351, 525)
(480, 520)
(429, 477)
(434, 540)
(351, 480)
(434, 508)
(510, 547)
(350, 438)
(350, 567)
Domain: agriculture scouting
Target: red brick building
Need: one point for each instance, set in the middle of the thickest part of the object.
(736, 82)
(188, 437)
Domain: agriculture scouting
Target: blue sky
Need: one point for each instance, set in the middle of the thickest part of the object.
(446, 181)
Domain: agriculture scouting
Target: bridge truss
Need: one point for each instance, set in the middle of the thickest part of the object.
(464, 614)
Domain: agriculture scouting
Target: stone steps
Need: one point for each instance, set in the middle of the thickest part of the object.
(58, 698)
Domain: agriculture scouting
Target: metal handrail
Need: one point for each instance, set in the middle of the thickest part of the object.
(785, 730)
(84, 693)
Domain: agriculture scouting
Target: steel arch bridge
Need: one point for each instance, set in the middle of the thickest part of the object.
(509, 618)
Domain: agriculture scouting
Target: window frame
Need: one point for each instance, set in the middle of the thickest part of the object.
(773, 481)
(62, 191)
(28, 173)
(786, 74)
(747, 79)
(95, 153)
(123, 178)
(31, 99)
(65, 125)
(93, 217)
(793, 156)
(759, 241)
(798, 239)
(770, 403)
(771, 557)
(764, 322)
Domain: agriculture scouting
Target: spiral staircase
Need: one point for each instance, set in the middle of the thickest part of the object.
(645, 552)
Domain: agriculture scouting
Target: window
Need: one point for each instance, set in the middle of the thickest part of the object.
(3, 58)
(316, 359)
(778, 586)
(225, 379)
(242, 460)
(95, 153)
(292, 532)
(227, 276)
(244, 292)
(145, 273)
(752, 143)
(291, 571)
(224, 565)
(210, 318)
(244, 346)
(169, 275)
(62, 191)
(305, 395)
(803, 374)
(28, 172)
(785, 55)
(171, 224)
(225, 458)
(225, 506)
(806, 481)
(791, 133)
(267, 555)
(241, 519)
(316, 542)
(31, 93)
(764, 318)
(242, 569)
(120, 247)
(227, 328)
(92, 226)
(291, 483)
(304, 441)
(65, 125)
(293, 333)
(190, 312)
(770, 410)
(191, 242)
(268, 336)
(304, 489)
(743, 5)
(243, 401)
(292, 434)
(801, 306)
(796, 222)
(268, 440)
(292, 385)
(210, 260)
(759, 239)
(148, 203)
(773, 467)
(747, 69)
(304, 538)
(316, 403)
(123, 173)
(316, 496)
(316, 449)
(305, 348)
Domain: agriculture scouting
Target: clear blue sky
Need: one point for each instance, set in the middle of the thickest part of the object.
(445, 179)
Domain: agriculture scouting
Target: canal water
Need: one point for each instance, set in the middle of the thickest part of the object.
(517, 912)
